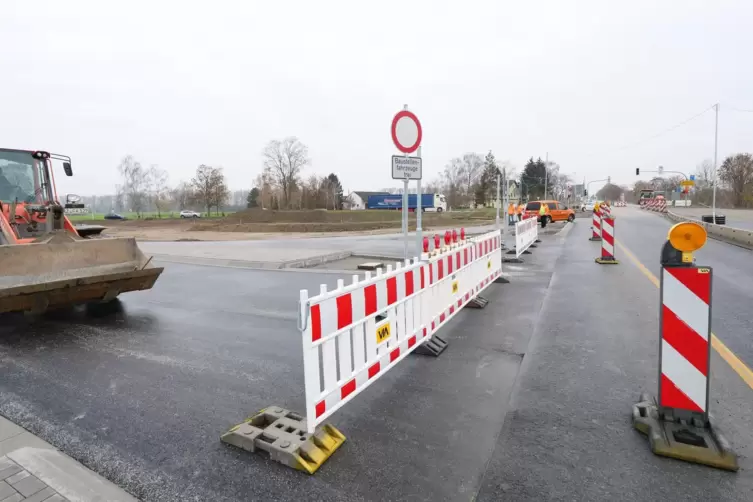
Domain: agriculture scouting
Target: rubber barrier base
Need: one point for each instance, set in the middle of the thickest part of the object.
(537, 241)
(431, 347)
(501, 280)
(533, 246)
(282, 434)
(526, 252)
(606, 261)
(512, 251)
(595, 239)
(699, 445)
(512, 260)
(477, 303)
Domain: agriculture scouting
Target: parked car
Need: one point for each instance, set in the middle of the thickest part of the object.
(587, 206)
(189, 214)
(115, 216)
(558, 211)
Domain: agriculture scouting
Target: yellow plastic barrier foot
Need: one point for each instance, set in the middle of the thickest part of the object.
(282, 434)
(605, 261)
(694, 443)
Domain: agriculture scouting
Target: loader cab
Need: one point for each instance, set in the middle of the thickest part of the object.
(28, 201)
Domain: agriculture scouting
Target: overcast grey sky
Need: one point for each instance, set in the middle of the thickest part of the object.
(183, 83)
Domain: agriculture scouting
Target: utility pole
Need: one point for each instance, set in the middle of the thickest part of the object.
(716, 148)
(546, 173)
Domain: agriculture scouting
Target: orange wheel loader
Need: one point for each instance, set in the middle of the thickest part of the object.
(45, 261)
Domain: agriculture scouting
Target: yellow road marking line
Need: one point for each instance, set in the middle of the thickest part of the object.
(734, 362)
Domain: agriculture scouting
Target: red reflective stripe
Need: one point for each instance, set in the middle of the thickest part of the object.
(672, 397)
(373, 370)
(431, 274)
(457, 260)
(391, 290)
(408, 283)
(347, 389)
(460, 302)
(394, 354)
(465, 256)
(412, 341)
(424, 331)
(441, 318)
(449, 265)
(452, 309)
(320, 408)
(699, 284)
(370, 299)
(423, 285)
(316, 323)
(441, 268)
(344, 311)
(686, 341)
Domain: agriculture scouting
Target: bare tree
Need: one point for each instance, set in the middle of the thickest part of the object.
(183, 195)
(158, 189)
(704, 174)
(737, 171)
(205, 184)
(473, 166)
(135, 183)
(265, 183)
(220, 191)
(285, 160)
(453, 176)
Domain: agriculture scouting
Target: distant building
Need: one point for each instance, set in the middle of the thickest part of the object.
(358, 200)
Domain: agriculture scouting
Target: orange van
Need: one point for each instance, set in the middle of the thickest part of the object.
(558, 211)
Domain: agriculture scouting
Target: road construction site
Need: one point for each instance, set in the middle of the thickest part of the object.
(531, 400)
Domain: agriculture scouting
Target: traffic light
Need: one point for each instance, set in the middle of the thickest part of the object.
(585, 193)
(637, 171)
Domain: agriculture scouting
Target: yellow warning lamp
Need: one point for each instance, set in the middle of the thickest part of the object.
(683, 238)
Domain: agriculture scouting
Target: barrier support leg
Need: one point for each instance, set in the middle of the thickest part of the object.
(478, 302)
(432, 347)
(282, 434)
(679, 439)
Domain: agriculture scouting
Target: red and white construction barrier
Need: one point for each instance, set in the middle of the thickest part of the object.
(356, 333)
(526, 233)
(596, 225)
(620, 203)
(685, 348)
(607, 241)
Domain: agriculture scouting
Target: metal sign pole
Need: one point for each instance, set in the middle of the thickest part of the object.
(405, 217)
(496, 220)
(419, 211)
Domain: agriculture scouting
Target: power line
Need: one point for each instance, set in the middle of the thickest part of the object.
(734, 109)
(665, 131)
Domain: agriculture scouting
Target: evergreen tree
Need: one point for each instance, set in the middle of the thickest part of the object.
(532, 179)
(335, 190)
(251, 199)
(487, 184)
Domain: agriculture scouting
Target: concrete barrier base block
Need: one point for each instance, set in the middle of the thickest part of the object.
(282, 434)
(605, 261)
(431, 347)
(478, 302)
(681, 440)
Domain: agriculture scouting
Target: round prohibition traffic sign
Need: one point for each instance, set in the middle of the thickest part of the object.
(406, 131)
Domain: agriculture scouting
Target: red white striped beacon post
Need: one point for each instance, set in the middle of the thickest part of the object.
(596, 224)
(678, 425)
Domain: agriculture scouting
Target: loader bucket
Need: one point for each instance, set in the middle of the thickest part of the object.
(63, 270)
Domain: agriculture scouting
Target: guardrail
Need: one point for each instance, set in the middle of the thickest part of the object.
(731, 235)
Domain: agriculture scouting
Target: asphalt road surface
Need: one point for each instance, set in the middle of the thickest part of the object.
(530, 402)
(142, 396)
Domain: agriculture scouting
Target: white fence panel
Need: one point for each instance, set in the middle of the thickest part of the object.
(526, 233)
(356, 333)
